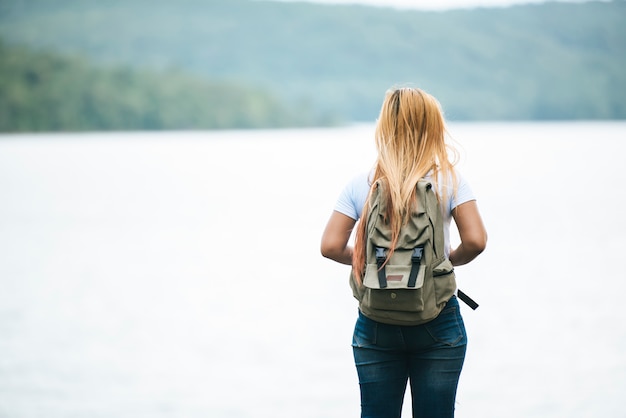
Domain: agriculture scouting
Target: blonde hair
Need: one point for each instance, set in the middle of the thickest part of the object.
(410, 140)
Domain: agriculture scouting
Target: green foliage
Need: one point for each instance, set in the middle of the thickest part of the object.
(47, 92)
(546, 61)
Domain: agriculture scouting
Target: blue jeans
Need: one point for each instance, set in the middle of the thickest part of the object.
(430, 356)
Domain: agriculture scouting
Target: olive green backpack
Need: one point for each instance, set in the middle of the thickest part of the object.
(413, 286)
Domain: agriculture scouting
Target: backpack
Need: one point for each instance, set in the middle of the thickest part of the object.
(414, 285)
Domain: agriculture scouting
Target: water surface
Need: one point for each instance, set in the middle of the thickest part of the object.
(178, 274)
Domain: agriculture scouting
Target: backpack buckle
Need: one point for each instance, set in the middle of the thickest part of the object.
(418, 252)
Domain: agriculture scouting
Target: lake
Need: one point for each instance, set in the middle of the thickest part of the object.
(178, 274)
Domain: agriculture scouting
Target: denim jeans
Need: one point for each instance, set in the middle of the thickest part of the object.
(430, 356)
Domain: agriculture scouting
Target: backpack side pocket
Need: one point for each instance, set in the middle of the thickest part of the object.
(444, 281)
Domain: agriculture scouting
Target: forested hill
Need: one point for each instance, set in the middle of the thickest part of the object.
(47, 92)
(546, 61)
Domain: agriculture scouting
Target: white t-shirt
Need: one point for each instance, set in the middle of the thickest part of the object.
(354, 195)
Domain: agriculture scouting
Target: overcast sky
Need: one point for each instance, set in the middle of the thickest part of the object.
(433, 4)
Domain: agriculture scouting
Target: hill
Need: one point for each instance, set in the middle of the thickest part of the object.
(529, 62)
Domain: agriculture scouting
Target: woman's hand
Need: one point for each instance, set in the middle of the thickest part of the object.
(335, 238)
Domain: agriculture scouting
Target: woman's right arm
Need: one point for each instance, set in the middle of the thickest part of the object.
(472, 233)
(335, 238)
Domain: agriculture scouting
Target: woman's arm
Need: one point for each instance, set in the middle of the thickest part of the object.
(335, 238)
(471, 231)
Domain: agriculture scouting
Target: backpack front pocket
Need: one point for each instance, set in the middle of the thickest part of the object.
(397, 295)
(407, 300)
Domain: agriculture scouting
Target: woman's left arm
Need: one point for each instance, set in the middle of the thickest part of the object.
(335, 238)
(471, 231)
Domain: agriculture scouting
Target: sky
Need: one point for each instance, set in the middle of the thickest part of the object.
(433, 4)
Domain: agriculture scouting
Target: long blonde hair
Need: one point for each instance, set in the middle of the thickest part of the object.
(411, 143)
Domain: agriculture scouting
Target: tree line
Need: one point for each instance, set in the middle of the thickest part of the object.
(43, 91)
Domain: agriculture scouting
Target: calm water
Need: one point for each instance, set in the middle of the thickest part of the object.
(178, 274)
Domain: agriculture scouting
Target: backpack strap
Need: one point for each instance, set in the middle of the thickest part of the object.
(416, 261)
(468, 301)
(380, 261)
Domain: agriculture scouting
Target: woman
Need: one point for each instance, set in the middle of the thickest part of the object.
(410, 140)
